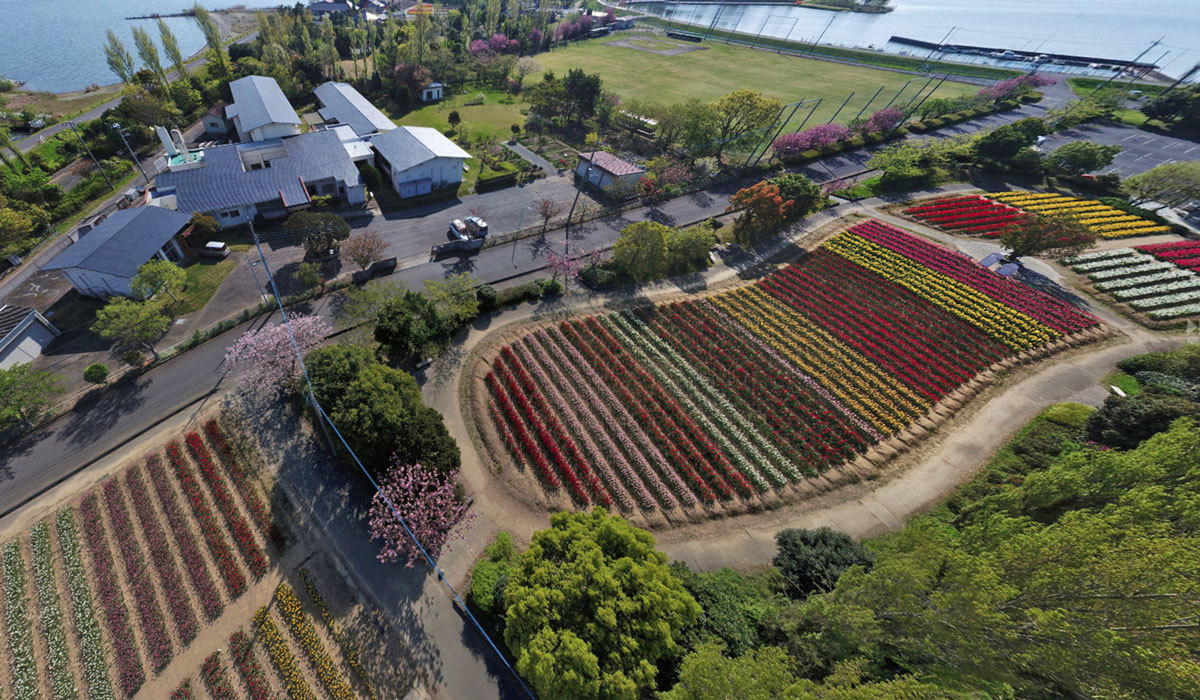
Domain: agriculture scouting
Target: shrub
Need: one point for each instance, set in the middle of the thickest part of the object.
(1124, 422)
(96, 374)
(487, 296)
(551, 287)
(133, 358)
(812, 560)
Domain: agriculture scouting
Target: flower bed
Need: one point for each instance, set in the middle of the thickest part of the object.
(87, 631)
(25, 680)
(1159, 280)
(972, 214)
(120, 628)
(306, 636)
(243, 537)
(245, 485)
(214, 536)
(348, 649)
(277, 648)
(1182, 254)
(747, 391)
(215, 678)
(183, 691)
(1105, 221)
(242, 652)
(58, 657)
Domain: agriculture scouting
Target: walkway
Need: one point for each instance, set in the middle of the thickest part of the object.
(521, 150)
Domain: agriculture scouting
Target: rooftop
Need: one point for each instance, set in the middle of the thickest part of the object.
(409, 146)
(123, 241)
(11, 317)
(258, 101)
(611, 164)
(345, 105)
(224, 182)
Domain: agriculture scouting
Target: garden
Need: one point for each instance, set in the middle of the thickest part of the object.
(729, 398)
(103, 596)
(990, 215)
(1160, 280)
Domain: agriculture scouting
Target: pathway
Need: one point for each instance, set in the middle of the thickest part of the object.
(523, 151)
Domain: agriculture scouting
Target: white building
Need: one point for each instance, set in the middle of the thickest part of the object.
(104, 261)
(603, 170)
(260, 111)
(417, 159)
(24, 333)
(214, 120)
(432, 92)
(342, 104)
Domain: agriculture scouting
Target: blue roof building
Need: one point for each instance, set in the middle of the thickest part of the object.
(342, 104)
(260, 111)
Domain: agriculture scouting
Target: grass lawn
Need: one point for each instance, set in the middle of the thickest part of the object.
(494, 117)
(718, 69)
(1124, 382)
(203, 278)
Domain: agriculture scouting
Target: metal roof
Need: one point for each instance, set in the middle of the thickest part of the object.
(123, 241)
(11, 317)
(258, 101)
(409, 146)
(223, 183)
(611, 164)
(345, 105)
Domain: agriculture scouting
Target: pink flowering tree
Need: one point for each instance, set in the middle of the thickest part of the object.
(1015, 86)
(535, 38)
(266, 358)
(498, 43)
(567, 266)
(609, 17)
(426, 501)
(883, 121)
(585, 24)
(792, 145)
(477, 47)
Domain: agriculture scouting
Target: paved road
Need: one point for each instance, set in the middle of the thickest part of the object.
(1143, 150)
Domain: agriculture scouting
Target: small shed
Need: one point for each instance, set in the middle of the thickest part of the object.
(24, 333)
(432, 92)
(604, 169)
(214, 120)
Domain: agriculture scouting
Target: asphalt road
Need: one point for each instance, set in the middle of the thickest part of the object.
(1143, 150)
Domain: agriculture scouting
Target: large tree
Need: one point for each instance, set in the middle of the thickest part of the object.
(158, 276)
(265, 359)
(409, 324)
(132, 323)
(1169, 184)
(171, 47)
(212, 37)
(425, 499)
(148, 52)
(454, 297)
(812, 560)
(1054, 235)
(740, 114)
(25, 393)
(1079, 157)
(641, 249)
(364, 249)
(120, 61)
(763, 212)
(592, 608)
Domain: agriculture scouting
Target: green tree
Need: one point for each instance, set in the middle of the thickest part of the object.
(1005, 143)
(760, 674)
(1079, 157)
(204, 226)
(309, 275)
(171, 47)
(1169, 184)
(687, 249)
(454, 297)
(95, 374)
(1054, 235)
(120, 61)
(813, 560)
(1181, 104)
(1126, 421)
(373, 178)
(692, 124)
(581, 91)
(593, 607)
(148, 52)
(641, 249)
(212, 37)
(803, 192)
(132, 323)
(321, 231)
(740, 114)
(25, 393)
(454, 119)
(735, 606)
(158, 276)
(408, 325)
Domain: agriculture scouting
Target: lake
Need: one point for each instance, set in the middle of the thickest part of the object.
(1118, 29)
(58, 45)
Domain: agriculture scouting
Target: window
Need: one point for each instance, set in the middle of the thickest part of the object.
(229, 214)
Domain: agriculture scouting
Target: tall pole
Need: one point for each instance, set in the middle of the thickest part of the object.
(902, 89)
(822, 34)
(520, 222)
(809, 116)
(1182, 78)
(839, 109)
(935, 49)
(74, 128)
(761, 27)
(868, 104)
(262, 292)
(1130, 63)
(716, 17)
(122, 133)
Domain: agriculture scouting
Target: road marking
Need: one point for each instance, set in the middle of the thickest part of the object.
(1190, 150)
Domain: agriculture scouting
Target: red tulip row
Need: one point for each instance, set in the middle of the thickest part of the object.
(1034, 304)
(671, 430)
(184, 691)
(550, 415)
(245, 485)
(1184, 254)
(112, 600)
(212, 672)
(535, 419)
(799, 419)
(138, 577)
(946, 204)
(506, 436)
(514, 419)
(242, 535)
(242, 651)
(970, 215)
(160, 553)
(214, 536)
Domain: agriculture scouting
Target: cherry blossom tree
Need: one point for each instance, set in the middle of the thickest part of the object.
(884, 121)
(426, 501)
(266, 358)
(792, 145)
(569, 266)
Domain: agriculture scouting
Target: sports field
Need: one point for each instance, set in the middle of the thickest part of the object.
(712, 69)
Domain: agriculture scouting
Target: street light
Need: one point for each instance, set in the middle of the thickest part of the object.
(75, 128)
(262, 292)
(123, 133)
(520, 222)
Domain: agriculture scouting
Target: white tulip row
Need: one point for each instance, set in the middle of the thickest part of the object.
(58, 658)
(1159, 277)
(1130, 258)
(91, 645)
(1181, 285)
(1142, 268)
(1176, 312)
(20, 635)
(1167, 300)
(1098, 255)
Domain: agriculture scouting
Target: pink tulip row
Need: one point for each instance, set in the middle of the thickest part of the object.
(242, 651)
(245, 485)
(1032, 303)
(138, 577)
(212, 672)
(633, 440)
(214, 536)
(160, 554)
(130, 673)
(243, 537)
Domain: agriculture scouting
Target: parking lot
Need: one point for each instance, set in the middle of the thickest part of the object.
(1142, 150)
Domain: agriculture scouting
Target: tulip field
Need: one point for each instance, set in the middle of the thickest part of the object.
(733, 395)
(1160, 280)
(100, 599)
(989, 215)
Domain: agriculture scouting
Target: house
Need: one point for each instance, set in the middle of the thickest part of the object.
(324, 9)
(432, 92)
(103, 262)
(417, 159)
(24, 333)
(260, 111)
(603, 170)
(236, 182)
(214, 120)
(342, 104)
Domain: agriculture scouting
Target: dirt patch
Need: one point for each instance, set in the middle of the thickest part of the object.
(652, 44)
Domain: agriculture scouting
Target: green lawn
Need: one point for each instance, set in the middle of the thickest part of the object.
(493, 117)
(718, 69)
(203, 278)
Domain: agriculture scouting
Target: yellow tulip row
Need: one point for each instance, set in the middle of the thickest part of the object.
(1003, 323)
(873, 394)
(306, 635)
(1105, 221)
(281, 656)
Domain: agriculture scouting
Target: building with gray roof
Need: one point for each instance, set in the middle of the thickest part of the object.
(260, 111)
(236, 182)
(417, 159)
(342, 104)
(24, 333)
(103, 262)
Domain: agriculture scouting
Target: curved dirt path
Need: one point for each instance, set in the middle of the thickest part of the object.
(913, 483)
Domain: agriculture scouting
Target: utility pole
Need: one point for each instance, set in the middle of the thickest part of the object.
(816, 43)
(868, 104)
(75, 128)
(1113, 77)
(935, 49)
(716, 17)
(123, 133)
(1182, 78)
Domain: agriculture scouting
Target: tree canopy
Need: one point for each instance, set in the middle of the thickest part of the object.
(641, 249)
(132, 323)
(1169, 184)
(25, 393)
(1057, 235)
(158, 275)
(1078, 157)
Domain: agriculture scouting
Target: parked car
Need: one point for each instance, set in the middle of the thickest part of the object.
(216, 250)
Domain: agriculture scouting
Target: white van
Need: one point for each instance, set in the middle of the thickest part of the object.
(216, 250)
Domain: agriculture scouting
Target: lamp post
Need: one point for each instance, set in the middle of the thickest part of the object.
(75, 128)
(520, 222)
(262, 292)
(123, 133)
